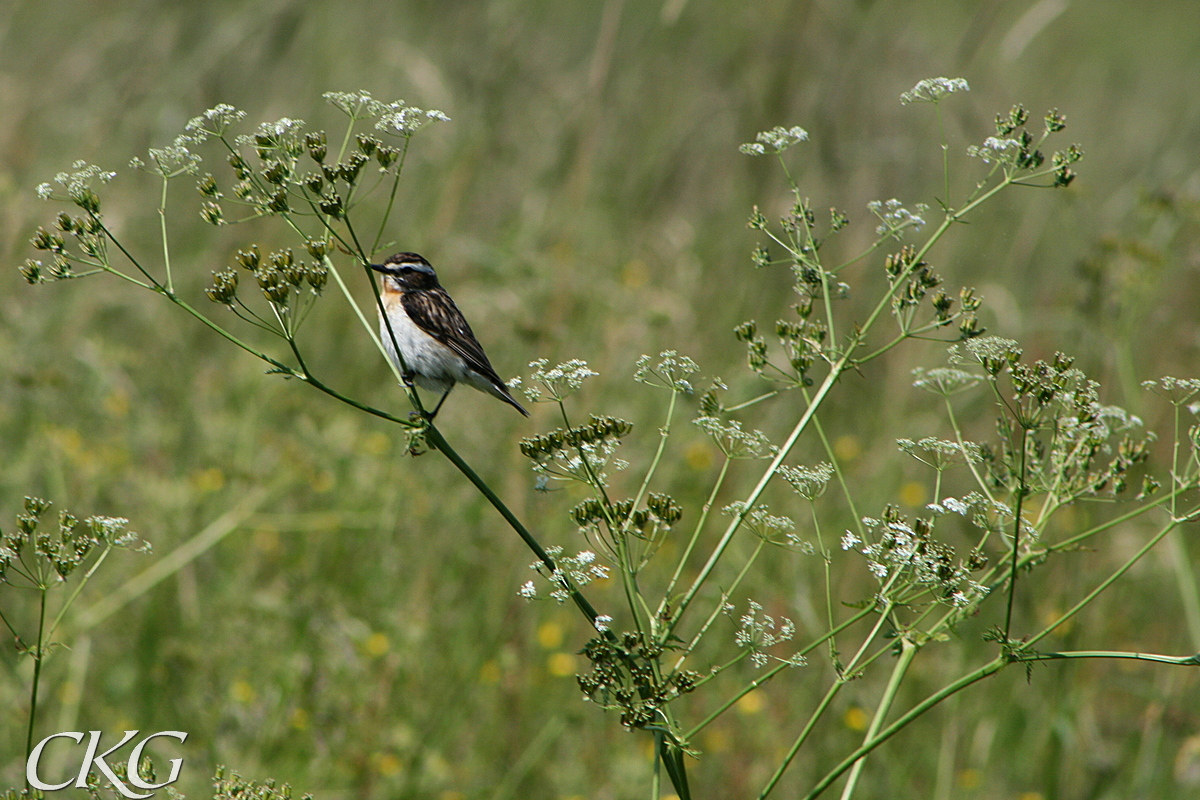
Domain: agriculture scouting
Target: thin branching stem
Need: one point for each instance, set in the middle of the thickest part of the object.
(696, 531)
(664, 433)
(752, 498)
(166, 245)
(773, 671)
(387, 212)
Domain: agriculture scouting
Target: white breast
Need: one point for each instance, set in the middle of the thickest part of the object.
(435, 367)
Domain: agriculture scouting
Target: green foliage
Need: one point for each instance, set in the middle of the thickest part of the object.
(593, 225)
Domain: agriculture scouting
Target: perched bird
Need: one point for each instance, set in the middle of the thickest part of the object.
(434, 338)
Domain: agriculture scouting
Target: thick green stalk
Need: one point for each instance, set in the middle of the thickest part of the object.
(907, 650)
(1177, 661)
(439, 442)
(818, 712)
(1016, 549)
(988, 669)
(38, 655)
(1103, 585)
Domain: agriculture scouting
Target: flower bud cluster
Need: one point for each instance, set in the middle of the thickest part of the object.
(277, 275)
(63, 550)
(549, 445)
(1014, 145)
(660, 510)
(623, 678)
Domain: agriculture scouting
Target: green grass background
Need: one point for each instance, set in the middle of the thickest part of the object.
(358, 632)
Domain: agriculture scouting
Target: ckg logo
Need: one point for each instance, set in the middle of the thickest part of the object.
(92, 758)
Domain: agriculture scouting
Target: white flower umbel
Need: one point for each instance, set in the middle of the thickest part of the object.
(931, 90)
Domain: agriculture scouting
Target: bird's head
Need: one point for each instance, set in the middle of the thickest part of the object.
(406, 272)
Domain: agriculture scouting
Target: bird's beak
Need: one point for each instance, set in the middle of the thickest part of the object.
(378, 268)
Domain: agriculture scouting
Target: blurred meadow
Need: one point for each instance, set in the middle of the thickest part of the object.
(351, 623)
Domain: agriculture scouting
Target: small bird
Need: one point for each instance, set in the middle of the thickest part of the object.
(438, 346)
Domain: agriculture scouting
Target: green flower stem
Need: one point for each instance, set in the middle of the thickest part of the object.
(837, 470)
(826, 295)
(818, 712)
(884, 613)
(937, 107)
(1019, 653)
(620, 544)
(908, 649)
(836, 370)
(847, 674)
(736, 523)
(305, 375)
(663, 434)
(278, 365)
(409, 389)
(690, 646)
(16, 636)
(772, 672)
(78, 588)
(895, 342)
(808, 251)
(162, 221)
(642, 619)
(1177, 661)
(346, 139)
(438, 441)
(720, 606)
(992, 581)
(1016, 542)
(370, 329)
(878, 243)
(987, 670)
(1053, 502)
(350, 401)
(153, 284)
(38, 655)
(387, 212)
(826, 563)
(1170, 526)
(754, 401)
(962, 445)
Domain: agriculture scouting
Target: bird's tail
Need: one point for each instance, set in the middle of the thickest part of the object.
(501, 391)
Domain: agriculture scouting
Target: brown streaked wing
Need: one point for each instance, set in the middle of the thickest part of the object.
(434, 312)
